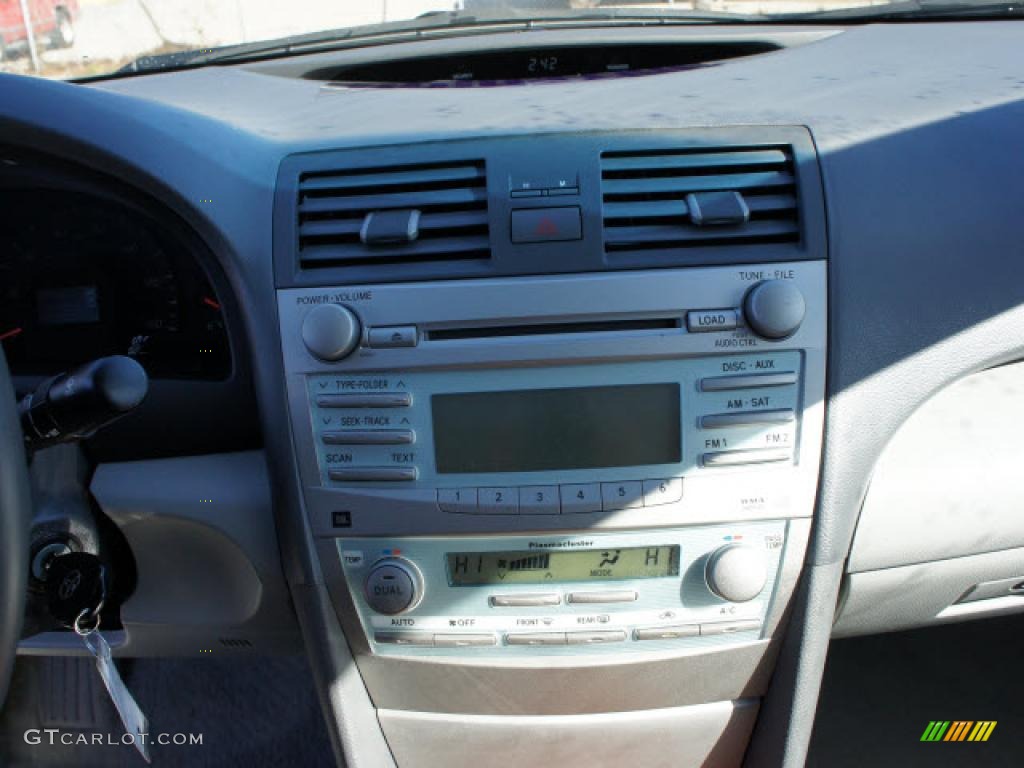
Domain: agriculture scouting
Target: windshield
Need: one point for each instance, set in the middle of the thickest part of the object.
(83, 38)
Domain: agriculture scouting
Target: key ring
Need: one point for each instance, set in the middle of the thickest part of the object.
(78, 622)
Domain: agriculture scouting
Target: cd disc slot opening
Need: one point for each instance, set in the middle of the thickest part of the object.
(555, 329)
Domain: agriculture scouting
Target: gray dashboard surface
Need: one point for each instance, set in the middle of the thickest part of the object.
(920, 180)
(918, 131)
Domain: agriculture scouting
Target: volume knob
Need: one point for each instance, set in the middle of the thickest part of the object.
(330, 331)
(774, 309)
(736, 572)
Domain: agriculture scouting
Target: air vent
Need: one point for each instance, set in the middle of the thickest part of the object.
(667, 200)
(393, 215)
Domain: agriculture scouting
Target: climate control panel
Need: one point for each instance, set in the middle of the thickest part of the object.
(558, 595)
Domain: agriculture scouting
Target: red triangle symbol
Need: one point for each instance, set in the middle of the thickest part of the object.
(546, 227)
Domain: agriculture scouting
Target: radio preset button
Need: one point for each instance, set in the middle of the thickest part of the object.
(596, 637)
(391, 337)
(461, 501)
(673, 632)
(707, 320)
(455, 640)
(369, 437)
(580, 498)
(372, 474)
(538, 500)
(747, 418)
(373, 400)
(498, 501)
(525, 600)
(608, 596)
(622, 495)
(536, 638)
(667, 491)
(404, 638)
(747, 381)
(735, 458)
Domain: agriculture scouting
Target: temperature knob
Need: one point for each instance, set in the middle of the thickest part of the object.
(774, 309)
(330, 331)
(736, 572)
(393, 586)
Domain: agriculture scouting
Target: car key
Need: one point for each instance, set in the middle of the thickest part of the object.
(127, 708)
(77, 584)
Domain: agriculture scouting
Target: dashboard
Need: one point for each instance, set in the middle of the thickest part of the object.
(565, 386)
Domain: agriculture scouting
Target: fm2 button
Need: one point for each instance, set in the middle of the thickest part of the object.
(393, 586)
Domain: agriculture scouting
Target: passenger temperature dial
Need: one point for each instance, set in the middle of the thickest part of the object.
(393, 586)
(736, 572)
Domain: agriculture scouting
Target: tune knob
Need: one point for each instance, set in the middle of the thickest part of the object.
(736, 572)
(774, 309)
(330, 331)
(393, 586)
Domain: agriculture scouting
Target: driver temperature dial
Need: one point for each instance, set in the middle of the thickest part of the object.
(393, 586)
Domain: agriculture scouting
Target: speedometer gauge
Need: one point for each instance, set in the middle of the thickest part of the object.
(82, 277)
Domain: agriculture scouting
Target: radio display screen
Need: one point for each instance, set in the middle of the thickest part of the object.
(466, 569)
(551, 429)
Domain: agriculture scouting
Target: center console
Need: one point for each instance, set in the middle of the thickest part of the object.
(531, 490)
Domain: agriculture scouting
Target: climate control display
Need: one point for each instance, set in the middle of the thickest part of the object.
(534, 567)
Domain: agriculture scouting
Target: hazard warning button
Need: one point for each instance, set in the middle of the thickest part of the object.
(543, 225)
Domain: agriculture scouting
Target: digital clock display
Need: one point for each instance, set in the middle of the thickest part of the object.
(539, 567)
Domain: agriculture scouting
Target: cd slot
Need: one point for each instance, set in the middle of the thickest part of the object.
(556, 329)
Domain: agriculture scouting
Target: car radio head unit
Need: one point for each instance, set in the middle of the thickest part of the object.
(599, 464)
(556, 402)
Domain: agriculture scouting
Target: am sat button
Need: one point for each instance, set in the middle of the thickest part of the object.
(542, 225)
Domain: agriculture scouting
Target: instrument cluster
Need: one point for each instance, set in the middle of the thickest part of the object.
(83, 276)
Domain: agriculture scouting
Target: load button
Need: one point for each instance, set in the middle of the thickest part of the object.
(707, 320)
(543, 225)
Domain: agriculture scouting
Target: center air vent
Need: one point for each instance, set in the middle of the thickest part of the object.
(665, 200)
(393, 215)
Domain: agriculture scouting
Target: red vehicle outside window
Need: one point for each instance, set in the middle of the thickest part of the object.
(52, 20)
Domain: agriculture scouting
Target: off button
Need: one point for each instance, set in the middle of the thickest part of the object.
(391, 588)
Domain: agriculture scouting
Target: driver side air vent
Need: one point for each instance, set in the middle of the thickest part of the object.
(664, 200)
(393, 215)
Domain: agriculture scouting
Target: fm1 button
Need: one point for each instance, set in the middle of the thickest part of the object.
(392, 587)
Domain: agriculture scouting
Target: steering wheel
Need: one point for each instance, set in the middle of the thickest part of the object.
(15, 517)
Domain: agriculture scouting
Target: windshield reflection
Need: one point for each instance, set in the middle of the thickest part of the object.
(81, 38)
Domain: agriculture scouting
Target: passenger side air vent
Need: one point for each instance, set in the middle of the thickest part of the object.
(393, 215)
(664, 200)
